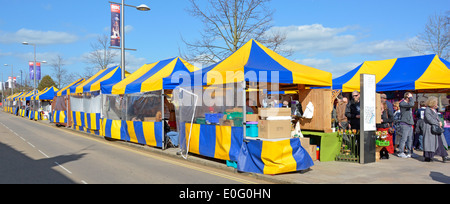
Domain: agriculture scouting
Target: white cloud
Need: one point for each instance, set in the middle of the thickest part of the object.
(315, 39)
(337, 69)
(37, 37)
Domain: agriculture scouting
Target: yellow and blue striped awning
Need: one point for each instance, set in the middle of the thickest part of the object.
(410, 73)
(46, 94)
(253, 57)
(149, 77)
(66, 90)
(107, 76)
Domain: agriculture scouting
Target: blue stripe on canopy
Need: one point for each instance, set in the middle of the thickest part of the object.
(399, 79)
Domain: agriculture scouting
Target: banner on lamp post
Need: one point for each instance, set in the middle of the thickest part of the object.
(38, 70)
(115, 25)
(31, 70)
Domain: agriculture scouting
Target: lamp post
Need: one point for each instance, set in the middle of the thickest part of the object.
(12, 79)
(34, 65)
(141, 7)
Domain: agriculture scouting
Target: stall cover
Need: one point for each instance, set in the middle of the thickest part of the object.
(131, 106)
(46, 94)
(66, 90)
(61, 103)
(85, 100)
(255, 57)
(409, 73)
(251, 63)
(149, 77)
(93, 83)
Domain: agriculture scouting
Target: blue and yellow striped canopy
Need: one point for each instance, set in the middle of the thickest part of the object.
(149, 77)
(253, 57)
(46, 94)
(410, 73)
(109, 75)
(66, 90)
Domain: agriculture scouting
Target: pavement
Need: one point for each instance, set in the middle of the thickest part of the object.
(394, 170)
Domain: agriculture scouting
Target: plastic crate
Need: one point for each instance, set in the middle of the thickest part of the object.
(213, 117)
(251, 129)
(200, 121)
(382, 143)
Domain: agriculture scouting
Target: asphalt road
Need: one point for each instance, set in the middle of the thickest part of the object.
(35, 153)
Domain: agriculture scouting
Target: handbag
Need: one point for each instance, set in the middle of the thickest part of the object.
(437, 130)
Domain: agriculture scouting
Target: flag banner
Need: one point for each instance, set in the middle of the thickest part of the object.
(31, 70)
(38, 70)
(115, 25)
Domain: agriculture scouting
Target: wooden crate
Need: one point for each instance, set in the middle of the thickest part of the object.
(323, 107)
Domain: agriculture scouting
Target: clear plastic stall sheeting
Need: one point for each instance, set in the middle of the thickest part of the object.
(133, 107)
(60, 104)
(217, 105)
(92, 102)
(86, 103)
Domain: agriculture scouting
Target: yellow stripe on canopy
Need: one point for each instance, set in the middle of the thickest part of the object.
(378, 68)
(253, 57)
(437, 76)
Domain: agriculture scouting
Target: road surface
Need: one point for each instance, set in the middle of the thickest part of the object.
(35, 153)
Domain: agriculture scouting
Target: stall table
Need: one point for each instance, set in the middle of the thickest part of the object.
(329, 144)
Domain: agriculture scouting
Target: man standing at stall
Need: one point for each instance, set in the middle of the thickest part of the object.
(353, 111)
(406, 125)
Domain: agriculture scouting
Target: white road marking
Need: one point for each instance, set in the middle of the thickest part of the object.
(31, 144)
(43, 153)
(63, 168)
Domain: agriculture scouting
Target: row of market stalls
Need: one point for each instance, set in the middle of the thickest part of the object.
(229, 111)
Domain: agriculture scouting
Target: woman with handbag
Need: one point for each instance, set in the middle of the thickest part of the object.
(434, 142)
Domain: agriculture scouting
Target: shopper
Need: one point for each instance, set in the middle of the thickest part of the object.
(353, 111)
(340, 109)
(418, 132)
(433, 144)
(406, 125)
(397, 117)
(386, 120)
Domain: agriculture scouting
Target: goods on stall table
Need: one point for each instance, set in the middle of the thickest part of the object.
(251, 129)
(349, 149)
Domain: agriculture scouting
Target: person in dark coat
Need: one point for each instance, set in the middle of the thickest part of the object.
(433, 144)
(353, 111)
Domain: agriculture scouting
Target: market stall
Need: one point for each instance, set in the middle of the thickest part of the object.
(43, 103)
(61, 104)
(133, 109)
(427, 74)
(218, 112)
(85, 100)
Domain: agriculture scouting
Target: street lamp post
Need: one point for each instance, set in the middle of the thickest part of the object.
(34, 65)
(141, 7)
(12, 79)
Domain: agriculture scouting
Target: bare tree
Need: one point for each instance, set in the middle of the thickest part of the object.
(59, 72)
(435, 38)
(101, 56)
(228, 25)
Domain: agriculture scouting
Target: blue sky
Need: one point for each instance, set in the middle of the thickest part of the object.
(331, 35)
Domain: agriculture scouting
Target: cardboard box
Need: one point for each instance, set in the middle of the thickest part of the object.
(313, 152)
(266, 112)
(252, 117)
(274, 129)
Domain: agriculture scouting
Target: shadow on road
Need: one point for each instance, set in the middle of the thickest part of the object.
(17, 168)
(440, 177)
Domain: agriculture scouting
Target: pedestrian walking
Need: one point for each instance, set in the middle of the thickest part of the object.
(433, 144)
